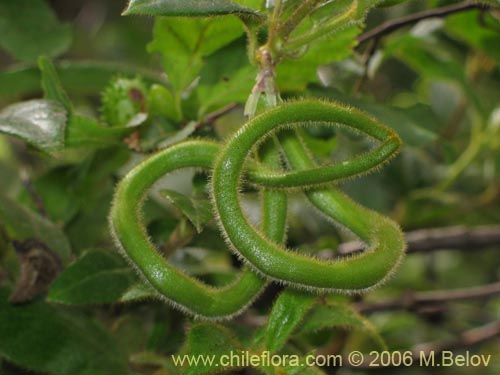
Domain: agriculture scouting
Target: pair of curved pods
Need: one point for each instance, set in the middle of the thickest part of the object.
(261, 251)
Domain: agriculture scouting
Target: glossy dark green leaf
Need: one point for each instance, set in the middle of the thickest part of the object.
(51, 84)
(208, 339)
(85, 132)
(197, 210)
(287, 313)
(29, 28)
(21, 224)
(39, 122)
(185, 8)
(95, 277)
(339, 315)
(40, 337)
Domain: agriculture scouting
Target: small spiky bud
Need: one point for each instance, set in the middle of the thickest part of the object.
(122, 100)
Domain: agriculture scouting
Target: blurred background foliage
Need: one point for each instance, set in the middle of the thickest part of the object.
(436, 82)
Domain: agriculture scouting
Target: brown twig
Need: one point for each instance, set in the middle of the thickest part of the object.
(181, 236)
(374, 35)
(416, 300)
(213, 116)
(392, 25)
(426, 240)
(465, 339)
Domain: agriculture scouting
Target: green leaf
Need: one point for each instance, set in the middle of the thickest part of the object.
(389, 3)
(339, 315)
(328, 35)
(407, 125)
(257, 5)
(184, 42)
(186, 8)
(197, 210)
(39, 122)
(86, 132)
(433, 62)
(465, 27)
(226, 78)
(295, 74)
(287, 313)
(43, 338)
(209, 340)
(179, 135)
(21, 224)
(51, 84)
(96, 277)
(161, 101)
(29, 28)
(78, 77)
(202, 262)
(320, 146)
(419, 53)
(403, 122)
(139, 292)
(57, 189)
(232, 89)
(92, 216)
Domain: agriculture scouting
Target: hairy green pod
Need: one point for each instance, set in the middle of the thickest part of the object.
(385, 240)
(129, 232)
(353, 120)
(122, 99)
(261, 249)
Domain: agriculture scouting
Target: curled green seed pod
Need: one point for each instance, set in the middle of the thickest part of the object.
(385, 240)
(178, 288)
(262, 250)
